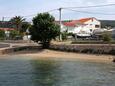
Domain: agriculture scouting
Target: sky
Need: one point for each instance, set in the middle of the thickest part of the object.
(29, 8)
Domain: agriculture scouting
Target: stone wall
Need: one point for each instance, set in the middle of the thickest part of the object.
(16, 49)
(86, 48)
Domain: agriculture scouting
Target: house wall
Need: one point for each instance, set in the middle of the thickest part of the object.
(87, 28)
(70, 29)
(92, 24)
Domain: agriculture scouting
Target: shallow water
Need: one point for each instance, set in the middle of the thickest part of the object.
(28, 72)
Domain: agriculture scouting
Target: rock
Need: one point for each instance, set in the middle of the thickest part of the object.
(113, 60)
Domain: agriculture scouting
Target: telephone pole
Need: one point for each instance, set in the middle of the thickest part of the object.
(60, 15)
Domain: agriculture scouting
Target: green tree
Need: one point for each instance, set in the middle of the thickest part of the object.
(13, 34)
(25, 26)
(2, 34)
(17, 22)
(44, 29)
(64, 35)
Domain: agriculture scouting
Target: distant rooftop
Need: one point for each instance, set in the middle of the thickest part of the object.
(74, 22)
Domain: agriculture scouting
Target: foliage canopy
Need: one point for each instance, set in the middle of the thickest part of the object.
(17, 22)
(44, 29)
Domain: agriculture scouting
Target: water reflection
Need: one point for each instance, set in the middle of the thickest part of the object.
(20, 72)
(44, 73)
(72, 73)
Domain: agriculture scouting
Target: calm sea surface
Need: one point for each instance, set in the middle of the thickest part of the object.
(28, 72)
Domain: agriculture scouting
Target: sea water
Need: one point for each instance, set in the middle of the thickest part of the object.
(55, 72)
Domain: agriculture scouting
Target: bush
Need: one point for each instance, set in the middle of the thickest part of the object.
(2, 34)
(106, 37)
(64, 35)
(87, 51)
(112, 52)
(14, 34)
(70, 34)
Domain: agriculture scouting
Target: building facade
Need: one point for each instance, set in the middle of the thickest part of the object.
(82, 27)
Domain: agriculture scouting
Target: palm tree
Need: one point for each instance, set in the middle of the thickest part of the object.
(17, 22)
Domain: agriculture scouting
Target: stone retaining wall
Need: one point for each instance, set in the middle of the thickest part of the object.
(16, 49)
(4, 45)
(93, 48)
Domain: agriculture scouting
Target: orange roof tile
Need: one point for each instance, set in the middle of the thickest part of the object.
(84, 20)
(71, 24)
(74, 22)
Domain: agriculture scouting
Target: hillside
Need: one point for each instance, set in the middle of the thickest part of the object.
(104, 23)
(108, 23)
(5, 24)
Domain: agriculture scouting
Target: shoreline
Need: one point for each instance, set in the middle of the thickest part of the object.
(52, 54)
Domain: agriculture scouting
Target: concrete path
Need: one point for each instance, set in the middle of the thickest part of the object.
(10, 45)
(2, 45)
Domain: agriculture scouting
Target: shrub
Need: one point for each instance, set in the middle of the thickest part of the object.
(106, 37)
(15, 34)
(2, 34)
(64, 35)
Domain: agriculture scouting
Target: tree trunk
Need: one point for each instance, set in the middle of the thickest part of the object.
(114, 60)
(45, 45)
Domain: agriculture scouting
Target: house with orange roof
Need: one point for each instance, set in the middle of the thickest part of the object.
(7, 31)
(82, 27)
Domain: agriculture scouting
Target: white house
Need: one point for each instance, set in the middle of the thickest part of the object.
(7, 31)
(82, 27)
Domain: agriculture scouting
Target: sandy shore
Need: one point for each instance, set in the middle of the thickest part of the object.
(50, 54)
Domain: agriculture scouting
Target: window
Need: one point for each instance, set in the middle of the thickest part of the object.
(91, 30)
(97, 26)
